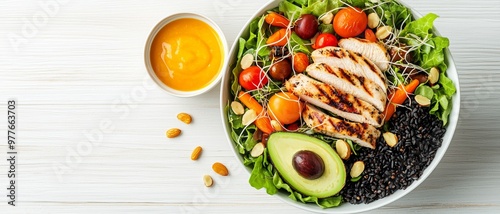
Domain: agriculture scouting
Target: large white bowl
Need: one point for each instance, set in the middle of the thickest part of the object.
(346, 207)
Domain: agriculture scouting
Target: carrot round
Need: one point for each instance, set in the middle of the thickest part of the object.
(277, 20)
(370, 35)
(263, 123)
(279, 38)
(398, 97)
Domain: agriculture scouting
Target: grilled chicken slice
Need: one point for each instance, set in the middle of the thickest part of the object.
(351, 61)
(350, 83)
(331, 99)
(361, 133)
(375, 52)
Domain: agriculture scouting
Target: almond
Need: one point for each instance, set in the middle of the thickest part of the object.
(220, 169)
(246, 61)
(390, 138)
(249, 117)
(173, 132)
(434, 75)
(207, 179)
(196, 153)
(184, 117)
(422, 101)
(237, 108)
(257, 150)
(357, 169)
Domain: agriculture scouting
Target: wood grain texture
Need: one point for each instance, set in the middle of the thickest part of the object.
(84, 67)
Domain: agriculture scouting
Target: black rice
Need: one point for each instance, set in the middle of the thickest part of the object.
(389, 169)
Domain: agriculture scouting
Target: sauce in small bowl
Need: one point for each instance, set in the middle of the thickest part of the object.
(185, 54)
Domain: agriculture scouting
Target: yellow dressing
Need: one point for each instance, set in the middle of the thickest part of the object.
(187, 54)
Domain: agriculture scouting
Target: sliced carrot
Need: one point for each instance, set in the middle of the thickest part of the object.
(398, 97)
(370, 36)
(263, 123)
(277, 20)
(279, 38)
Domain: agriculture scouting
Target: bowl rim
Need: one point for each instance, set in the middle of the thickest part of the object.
(147, 53)
(345, 207)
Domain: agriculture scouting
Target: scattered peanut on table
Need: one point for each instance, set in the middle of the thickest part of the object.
(220, 169)
(173, 132)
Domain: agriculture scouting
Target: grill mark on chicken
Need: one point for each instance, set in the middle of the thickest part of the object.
(336, 101)
(374, 52)
(351, 60)
(361, 133)
(350, 83)
(341, 103)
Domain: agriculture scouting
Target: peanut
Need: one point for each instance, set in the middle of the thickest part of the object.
(196, 153)
(343, 149)
(220, 169)
(357, 169)
(390, 138)
(184, 117)
(173, 132)
(383, 32)
(207, 179)
(373, 20)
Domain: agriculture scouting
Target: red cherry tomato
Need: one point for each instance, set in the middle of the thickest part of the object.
(324, 40)
(350, 22)
(252, 78)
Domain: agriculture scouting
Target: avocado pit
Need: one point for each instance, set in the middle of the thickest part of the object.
(308, 164)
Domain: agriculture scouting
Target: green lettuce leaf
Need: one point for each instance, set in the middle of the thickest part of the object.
(420, 27)
(298, 44)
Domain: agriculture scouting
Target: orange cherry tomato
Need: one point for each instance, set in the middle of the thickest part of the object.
(350, 22)
(279, 38)
(370, 36)
(284, 107)
(324, 40)
(277, 20)
(300, 62)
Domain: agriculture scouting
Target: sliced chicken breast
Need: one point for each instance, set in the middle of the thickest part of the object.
(375, 52)
(361, 133)
(349, 83)
(331, 99)
(351, 61)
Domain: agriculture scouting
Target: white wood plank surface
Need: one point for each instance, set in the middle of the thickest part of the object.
(83, 68)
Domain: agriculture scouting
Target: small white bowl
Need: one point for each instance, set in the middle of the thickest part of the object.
(345, 207)
(154, 32)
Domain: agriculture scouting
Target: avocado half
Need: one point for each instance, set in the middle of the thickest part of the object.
(282, 146)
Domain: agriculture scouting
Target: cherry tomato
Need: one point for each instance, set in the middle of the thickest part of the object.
(300, 62)
(284, 107)
(350, 22)
(293, 127)
(252, 78)
(306, 26)
(370, 36)
(324, 40)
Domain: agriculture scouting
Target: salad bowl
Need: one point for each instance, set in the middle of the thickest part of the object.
(226, 98)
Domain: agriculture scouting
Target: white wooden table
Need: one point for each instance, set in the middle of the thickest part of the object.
(91, 123)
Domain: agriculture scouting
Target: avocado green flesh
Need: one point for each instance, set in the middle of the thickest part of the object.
(282, 146)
